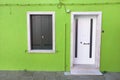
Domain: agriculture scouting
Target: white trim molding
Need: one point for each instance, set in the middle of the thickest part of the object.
(29, 31)
(98, 42)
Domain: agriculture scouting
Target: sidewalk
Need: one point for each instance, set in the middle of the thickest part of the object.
(36, 75)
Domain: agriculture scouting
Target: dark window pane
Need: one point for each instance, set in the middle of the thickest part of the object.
(41, 32)
(76, 30)
(91, 30)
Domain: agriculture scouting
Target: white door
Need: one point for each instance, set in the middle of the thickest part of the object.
(85, 35)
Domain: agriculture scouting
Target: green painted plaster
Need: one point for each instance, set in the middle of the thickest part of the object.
(55, 1)
(13, 36)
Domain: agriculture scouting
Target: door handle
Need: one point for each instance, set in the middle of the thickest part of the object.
(86, 43)
(43, 36)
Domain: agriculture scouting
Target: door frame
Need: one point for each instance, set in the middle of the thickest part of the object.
(98, 36)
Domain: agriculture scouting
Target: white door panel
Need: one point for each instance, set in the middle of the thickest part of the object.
(85, 24)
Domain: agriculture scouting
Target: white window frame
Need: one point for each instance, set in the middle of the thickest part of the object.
(29, 31)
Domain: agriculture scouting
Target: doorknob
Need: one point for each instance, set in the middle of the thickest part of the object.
(86, 43)
(43, 37)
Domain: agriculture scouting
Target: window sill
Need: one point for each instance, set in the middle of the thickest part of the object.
(41, 51)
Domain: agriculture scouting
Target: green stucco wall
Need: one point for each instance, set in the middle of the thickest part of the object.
(13, 34)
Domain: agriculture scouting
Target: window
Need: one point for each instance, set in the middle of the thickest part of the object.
(41, 32)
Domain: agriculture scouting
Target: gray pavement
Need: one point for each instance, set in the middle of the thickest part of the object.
(38, 75)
